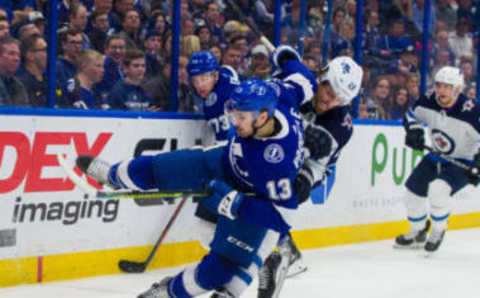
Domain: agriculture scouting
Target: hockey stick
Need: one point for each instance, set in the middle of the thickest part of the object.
(252, 25)
(139, 267)
(474, 170)
(93, 192)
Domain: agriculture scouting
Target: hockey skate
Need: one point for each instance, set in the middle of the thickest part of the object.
(434, 240)
(414, 239)
(94, 167)
(157, 290)
(272, 275)
(295, 264)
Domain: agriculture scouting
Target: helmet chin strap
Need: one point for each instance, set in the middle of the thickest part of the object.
(256, 128)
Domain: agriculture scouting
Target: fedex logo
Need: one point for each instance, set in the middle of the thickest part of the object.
(32, 158)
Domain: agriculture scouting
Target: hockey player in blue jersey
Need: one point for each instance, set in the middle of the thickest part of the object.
(262, 156)
(328, 128)
(214, 84)
(454, 130)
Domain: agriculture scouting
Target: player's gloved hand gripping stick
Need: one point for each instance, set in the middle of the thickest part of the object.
(473, 171)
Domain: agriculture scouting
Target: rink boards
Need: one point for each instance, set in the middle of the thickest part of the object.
(49, 230)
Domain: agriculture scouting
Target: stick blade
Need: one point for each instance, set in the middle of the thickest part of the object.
(131, 267)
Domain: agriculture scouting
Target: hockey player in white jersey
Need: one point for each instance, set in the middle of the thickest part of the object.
(328, 128)
(454, 130)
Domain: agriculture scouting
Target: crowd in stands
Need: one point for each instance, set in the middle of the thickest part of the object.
(115, 54)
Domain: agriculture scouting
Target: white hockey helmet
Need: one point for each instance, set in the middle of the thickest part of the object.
(345, 77)
(450, 75)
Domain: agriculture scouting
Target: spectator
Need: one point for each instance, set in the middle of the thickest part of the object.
(441, 43)
(161, 25)
(78, 17)
(460, 40)
(412, 84)
(63, 9)
(418, 8)
(466, 66)
(233, 29)
(115, 48)
(189, 45)
(371, 32)
(380, 102)
(99, 29)
(188, 27)
(446, 11)
(260, 66)
(400, 104)
(314, 49)
(70, 41)
(212, 16)
(405, 64)
(344, 38)
(27, 30)
(233, 57)
(205, 37)
(128, 94)
(131, 29)
(12, 91)
(393, 43)
(338, 19)
(158, 89)
(79, 90)
(36, 18)
(311, 64)
(471, 92)
(4, 27)
(217, 51)
(34, 58)
(152, 46)
(120, 10)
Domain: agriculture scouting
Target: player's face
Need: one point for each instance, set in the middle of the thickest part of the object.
(243, 122)
(204, 83)
(325, 98)
(445, 94)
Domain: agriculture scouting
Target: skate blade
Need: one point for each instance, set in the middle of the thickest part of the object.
(428, 254)
(414, 246)
(296, 268)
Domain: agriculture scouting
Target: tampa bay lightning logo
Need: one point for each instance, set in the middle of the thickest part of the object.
(442, 142)
(274, 153)
(211, 99)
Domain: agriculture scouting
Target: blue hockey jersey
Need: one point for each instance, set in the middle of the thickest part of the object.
(214, 104)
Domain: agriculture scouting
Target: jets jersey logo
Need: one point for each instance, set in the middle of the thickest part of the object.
(347, 121)
(442, 142)
(274, 153)
(211, 99)
(468, 105)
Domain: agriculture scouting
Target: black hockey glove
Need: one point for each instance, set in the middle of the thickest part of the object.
(318, 142)
(415, 138)
(303, 184)
(474, 172)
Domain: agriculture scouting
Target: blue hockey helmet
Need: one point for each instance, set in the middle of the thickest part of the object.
(202, 62)
(254, 95)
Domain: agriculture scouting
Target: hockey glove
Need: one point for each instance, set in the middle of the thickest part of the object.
(415, 138)
(303, 184)
(282, 54)
(474, 172)
(223, 200)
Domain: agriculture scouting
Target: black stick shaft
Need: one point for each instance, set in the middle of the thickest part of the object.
(165, 230)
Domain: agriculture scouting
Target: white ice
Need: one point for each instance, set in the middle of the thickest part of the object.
(367, 270)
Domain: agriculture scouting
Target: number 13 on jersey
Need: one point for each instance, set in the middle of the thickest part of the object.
(279, 190)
